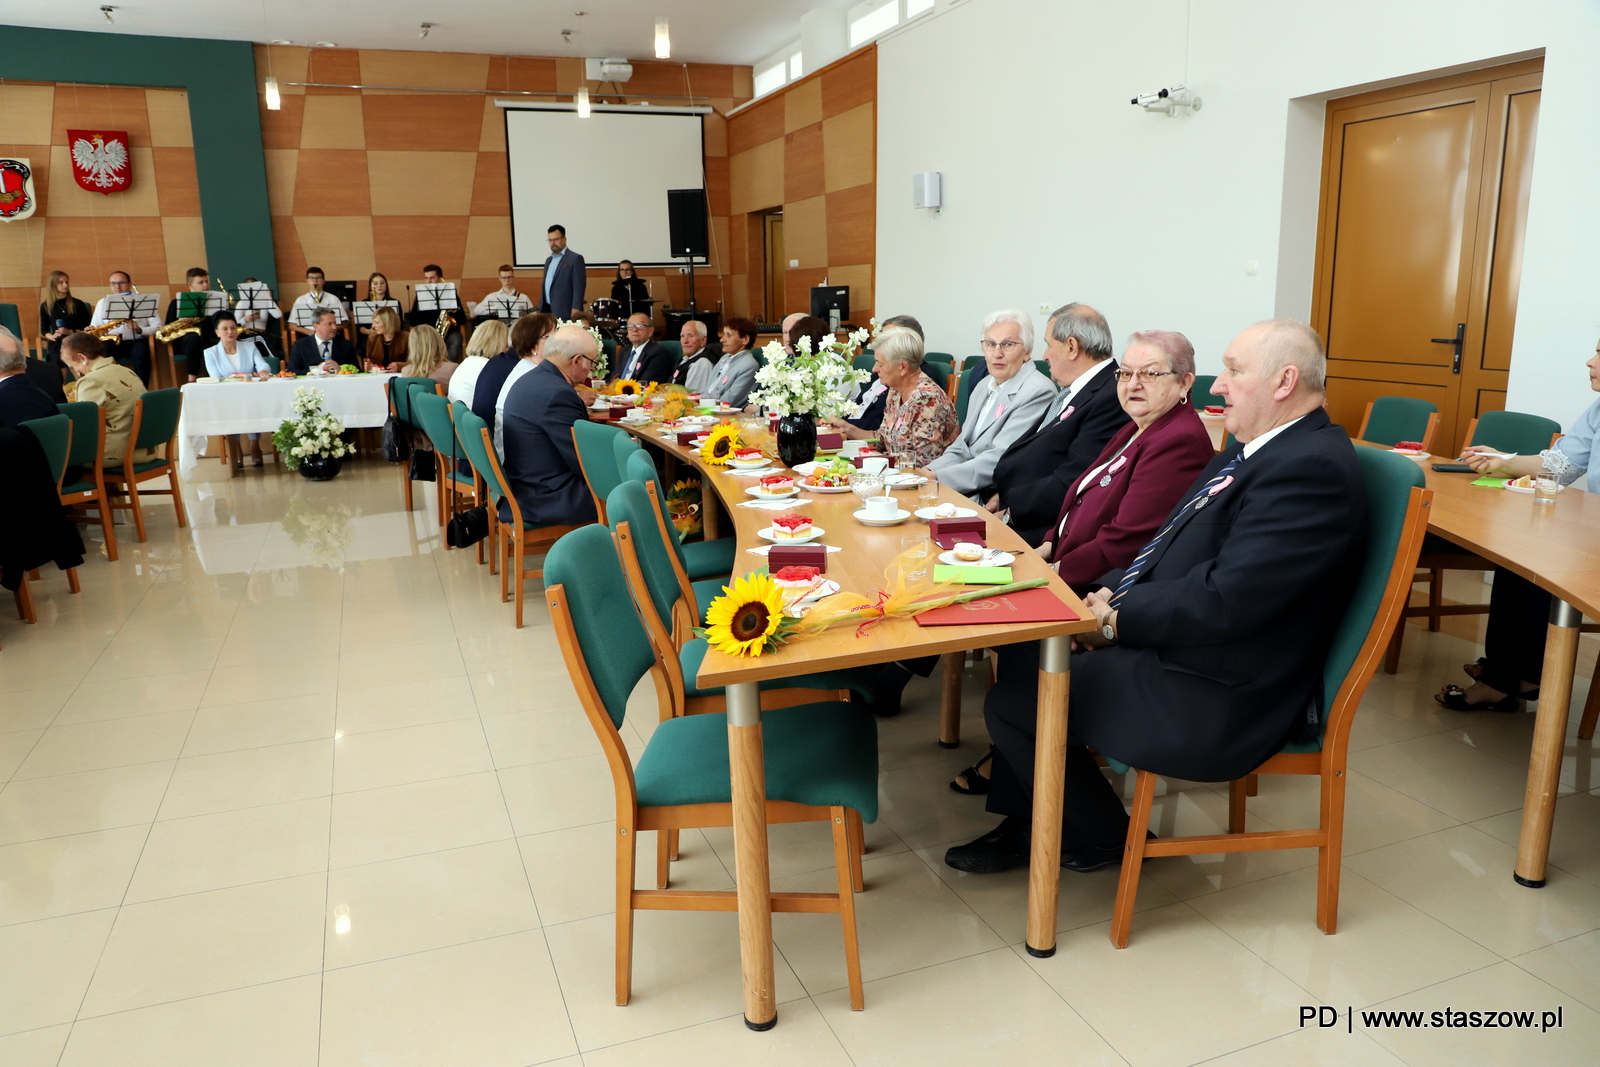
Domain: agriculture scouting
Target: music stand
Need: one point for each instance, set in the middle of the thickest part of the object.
(135, 306)
(192, 305)
(364, 310)
(500, 306)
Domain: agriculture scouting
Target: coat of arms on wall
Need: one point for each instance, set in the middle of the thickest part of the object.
(101, 162)
(17, 200)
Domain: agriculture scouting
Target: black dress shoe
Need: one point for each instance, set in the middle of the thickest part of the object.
(1093, 857)
(1001, 849)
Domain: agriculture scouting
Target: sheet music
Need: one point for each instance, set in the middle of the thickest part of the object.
(254, 296)
(437, 296)
(214, 301)
(131, 306)
(365, 309)
(501, 306)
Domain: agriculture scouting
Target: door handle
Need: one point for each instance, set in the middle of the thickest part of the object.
(1459, 340)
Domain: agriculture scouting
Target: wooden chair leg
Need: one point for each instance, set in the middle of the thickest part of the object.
(1435, 597)
(107, 525)
(138, 509)
(1236, 795)
(663, 857)
(1252, 784)
(177, 499)
(516, 576)
(1144, 792)
(858, 848)
(672, 845)
(72, 579)
(625, 862)
(843, 856)
(1391, 657)
(1330, 855)
(502, 548)
(1591, 706)
(24, 599)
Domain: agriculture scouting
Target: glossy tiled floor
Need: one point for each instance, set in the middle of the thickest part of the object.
(287, 788)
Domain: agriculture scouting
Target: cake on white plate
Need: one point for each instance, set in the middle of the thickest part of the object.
(791, 527)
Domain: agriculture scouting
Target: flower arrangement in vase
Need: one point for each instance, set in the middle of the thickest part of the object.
(805, 387)
(310, 442)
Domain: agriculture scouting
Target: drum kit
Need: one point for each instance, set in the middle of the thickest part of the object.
(608, 316)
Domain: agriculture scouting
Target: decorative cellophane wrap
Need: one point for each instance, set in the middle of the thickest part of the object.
(748, 619)
(683, 504)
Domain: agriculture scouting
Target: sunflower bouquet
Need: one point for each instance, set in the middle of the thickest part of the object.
(677, 403)
(720, 443)
(624, 387)
(683, 506)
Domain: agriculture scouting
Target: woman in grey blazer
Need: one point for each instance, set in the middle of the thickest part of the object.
(1003, 406)
(734, 376)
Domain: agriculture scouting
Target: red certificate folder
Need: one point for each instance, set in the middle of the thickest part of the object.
(1029, 605)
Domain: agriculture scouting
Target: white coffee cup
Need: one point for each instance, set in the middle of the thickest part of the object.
(881, 507)
(875, 464)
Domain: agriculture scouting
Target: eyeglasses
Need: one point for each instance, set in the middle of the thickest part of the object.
(591, 359)
(638, 326)
(1142, 375)
(1006, 347)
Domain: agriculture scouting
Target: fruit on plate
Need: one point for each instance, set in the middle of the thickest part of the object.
(1408, 446)
(776, 484)
(831, 474)
(284, 374)
(348, 368)
(791, 527)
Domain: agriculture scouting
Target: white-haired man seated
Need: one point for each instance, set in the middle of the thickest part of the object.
(1003, 406)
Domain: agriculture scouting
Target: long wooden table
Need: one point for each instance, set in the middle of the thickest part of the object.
(1555, 547)
(859, 567)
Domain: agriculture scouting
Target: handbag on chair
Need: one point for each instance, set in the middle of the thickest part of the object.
(467, 528)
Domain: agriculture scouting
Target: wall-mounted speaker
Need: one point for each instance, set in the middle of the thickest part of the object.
(686, 219)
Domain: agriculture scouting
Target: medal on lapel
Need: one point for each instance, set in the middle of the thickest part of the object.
(1213, 491)
(1105, 479)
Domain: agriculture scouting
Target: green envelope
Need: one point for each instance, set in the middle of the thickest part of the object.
(972, 575)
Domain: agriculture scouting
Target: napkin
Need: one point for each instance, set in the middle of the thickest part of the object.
(775, 505)
(972, 575)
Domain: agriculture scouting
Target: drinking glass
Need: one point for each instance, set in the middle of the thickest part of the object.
(866, 484)
(1545, 488)
(903, 464)
(928, 491)
(916, 549)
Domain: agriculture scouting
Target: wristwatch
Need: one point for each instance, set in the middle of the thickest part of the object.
(1108, 630)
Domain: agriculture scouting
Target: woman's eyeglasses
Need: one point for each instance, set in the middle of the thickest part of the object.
(1142, 375)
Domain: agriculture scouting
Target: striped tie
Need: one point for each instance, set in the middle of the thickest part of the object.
(1131, 576)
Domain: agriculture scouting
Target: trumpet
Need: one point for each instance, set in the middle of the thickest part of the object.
(105, 330)
(178, 327)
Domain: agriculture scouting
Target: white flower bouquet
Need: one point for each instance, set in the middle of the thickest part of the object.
(312, 432)
(810, 383)
(601, 364)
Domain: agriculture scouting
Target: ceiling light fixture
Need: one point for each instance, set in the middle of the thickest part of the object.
(274, 100)
(106, 10)
(426, 26)
(325, 44)
(280, 43)
(582, 100)
(663, 40)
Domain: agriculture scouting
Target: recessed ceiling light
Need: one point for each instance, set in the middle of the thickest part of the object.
(325, 44)
(280, 42)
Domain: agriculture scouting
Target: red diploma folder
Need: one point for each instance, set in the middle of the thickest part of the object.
(781, 556)
(1029, 605)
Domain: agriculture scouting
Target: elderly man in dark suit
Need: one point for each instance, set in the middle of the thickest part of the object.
(1036, 473)
(564, 277)
(325, 348)
(20, 398)
(641, 358)
(1208, 656)
(541, 461)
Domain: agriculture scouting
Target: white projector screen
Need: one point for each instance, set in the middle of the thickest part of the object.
(605, 178)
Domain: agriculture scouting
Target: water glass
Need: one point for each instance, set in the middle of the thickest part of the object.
(916, 549)
(928, 491)
(866, 484)
(1545, 488)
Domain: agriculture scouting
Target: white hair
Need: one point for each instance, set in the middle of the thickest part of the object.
(13, 357)
(696, 326)
(1016, 315)
(569, 341)
(898, 344)
(1286, 341)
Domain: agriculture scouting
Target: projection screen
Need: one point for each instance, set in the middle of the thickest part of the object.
(605, 178)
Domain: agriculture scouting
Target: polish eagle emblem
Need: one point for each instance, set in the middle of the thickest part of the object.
(100, 159)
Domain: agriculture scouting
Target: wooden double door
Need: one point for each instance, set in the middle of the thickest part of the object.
(1419, 243)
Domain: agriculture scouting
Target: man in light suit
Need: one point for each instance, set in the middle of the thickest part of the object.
(541, 461)
(642, 359)
(1209, 650)
(564, 277)
(1004, 406)
(1035, 474)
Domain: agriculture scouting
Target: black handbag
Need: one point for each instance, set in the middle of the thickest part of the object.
(467, 528)
(395, 445)
(422, 465)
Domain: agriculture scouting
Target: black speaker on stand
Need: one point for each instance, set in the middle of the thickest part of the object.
(686, 220)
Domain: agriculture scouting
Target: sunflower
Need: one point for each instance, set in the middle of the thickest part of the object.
(724, 438)
(625, 387)
(746, 617)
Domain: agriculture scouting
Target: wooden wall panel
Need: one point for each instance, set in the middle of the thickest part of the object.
(802, 164)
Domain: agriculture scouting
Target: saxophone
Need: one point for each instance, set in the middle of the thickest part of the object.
(178, 327)
(244, 331)
(106, 329)
(444, 324)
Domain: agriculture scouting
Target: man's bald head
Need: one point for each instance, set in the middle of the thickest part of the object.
(574, 350)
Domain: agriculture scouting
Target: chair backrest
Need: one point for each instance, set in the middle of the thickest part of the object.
(597, 455)
(402, 393)
(940, 357)
(88, 433)
(675, 347)
(939, 372)
(608, 648)
(55, 437)
(272, 361)
(1513, 431)
(1200, 394)
(1391, 419)
(11, 319)
(155, 418)
(864, 361)
(432, 413)
(469, 431)
(630, 503)
(623, 446)
(641, 468)
(1397, 518)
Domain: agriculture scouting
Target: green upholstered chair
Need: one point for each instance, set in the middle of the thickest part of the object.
(514, 540)
(54, 433)
(622, 446)
(1397, 518)
(676, 348)
(88, 455)
(272, 361)
(696, 559)
(940, 357)
(155, 425)
(960, 388)
(1392, 419)
(1513, 431)
(680, 602)
(597, 458)
(821, 759)
(649, 569)
(1200, 394)
(400, 393)
(864, 361)
(432, 414)
(11, 319)
(939, 372)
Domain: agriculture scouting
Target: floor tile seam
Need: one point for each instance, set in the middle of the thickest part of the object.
(62, 915)
(15, 780)
(935, 872)
(243, 807)
(24, 760)
(1459, 820)
(327, 904)
(1018, 951)
(780, 1005)
(324, 870)
(826, 1022)
(347, 732)
(119, 718)
(505, 805)
(194, 996)
(419, 781)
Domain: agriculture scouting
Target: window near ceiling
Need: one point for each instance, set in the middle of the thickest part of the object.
(918, 7)
(871, 18)
(777, 70)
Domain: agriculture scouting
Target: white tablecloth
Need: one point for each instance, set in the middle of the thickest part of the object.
(215, 408)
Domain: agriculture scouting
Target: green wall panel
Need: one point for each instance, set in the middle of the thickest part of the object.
(220, 77)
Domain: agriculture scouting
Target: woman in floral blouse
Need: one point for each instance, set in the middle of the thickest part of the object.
(918, 418)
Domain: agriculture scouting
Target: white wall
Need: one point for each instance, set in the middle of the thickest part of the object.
(1057, 189)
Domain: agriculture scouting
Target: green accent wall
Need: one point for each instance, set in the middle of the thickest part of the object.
(220, 77)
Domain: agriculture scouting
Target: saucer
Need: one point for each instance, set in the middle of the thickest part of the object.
(816, 532)
(900, 515)
(995, 558)
(759, 494)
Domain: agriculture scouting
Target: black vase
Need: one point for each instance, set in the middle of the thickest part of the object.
(319, 468)
(797, 439)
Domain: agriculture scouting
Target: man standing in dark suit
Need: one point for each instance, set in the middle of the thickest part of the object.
(564, 277)
(20, 399)
(325, 348)
(1209, 652)
(1036, 473)
(541, 461)
(642, 359)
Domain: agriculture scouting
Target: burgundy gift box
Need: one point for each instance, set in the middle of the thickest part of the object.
(830, 440)
(616, 413)
(686, 437)
(781, 556)
(947, 532)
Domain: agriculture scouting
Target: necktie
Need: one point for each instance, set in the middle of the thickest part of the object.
(1194, 503)
(325, 355)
